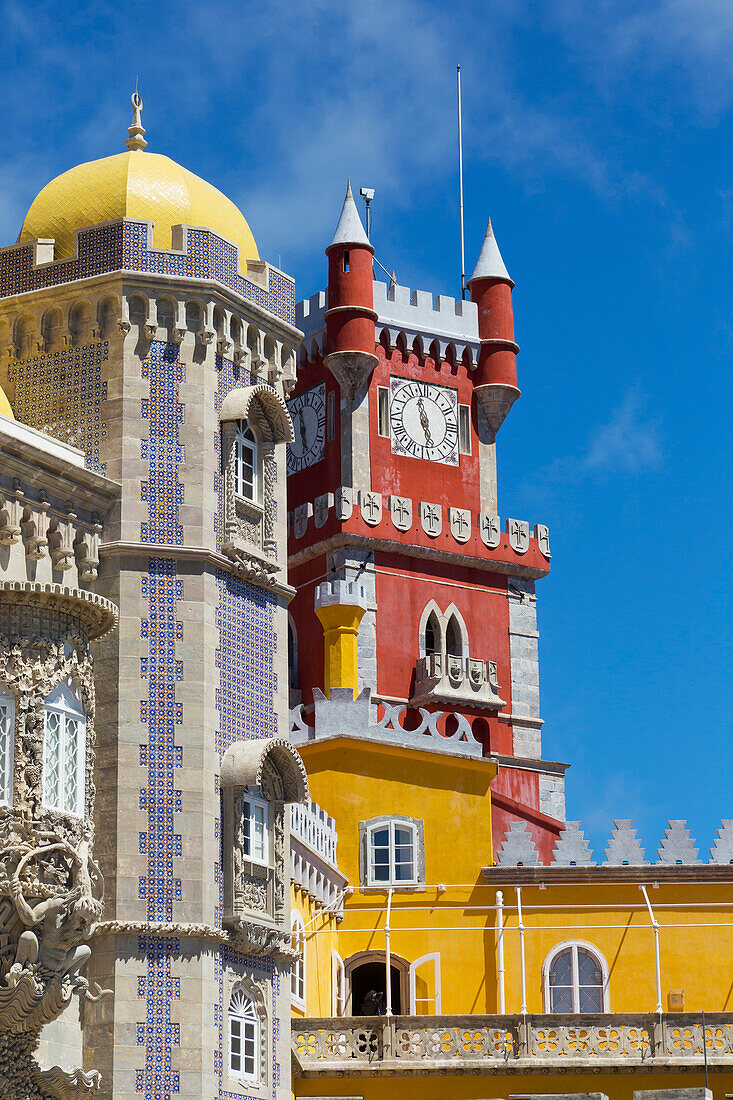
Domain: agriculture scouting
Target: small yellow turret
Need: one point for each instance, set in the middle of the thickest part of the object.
(340, 607)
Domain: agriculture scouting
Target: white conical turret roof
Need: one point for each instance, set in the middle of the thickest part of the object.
(349, 229)
(490, 264)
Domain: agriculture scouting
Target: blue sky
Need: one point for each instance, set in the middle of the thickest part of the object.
(598, 137)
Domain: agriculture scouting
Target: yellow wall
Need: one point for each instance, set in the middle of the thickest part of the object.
(320, 939)
(698, 960)
(356, 781)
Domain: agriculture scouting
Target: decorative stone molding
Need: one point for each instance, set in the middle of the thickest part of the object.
(468, 681)
(677, 845)
(344, 716)
(722, 849)
(518, 849)
(400, 510)
(435, 1045)
(572, 849)
(623, 845)
(431, 518)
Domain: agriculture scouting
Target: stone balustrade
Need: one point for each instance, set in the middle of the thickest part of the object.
(488, 1044)
(463, 680)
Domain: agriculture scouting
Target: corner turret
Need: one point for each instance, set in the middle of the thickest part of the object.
(495, 380)
(350, 316)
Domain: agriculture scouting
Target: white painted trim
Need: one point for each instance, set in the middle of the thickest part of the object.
(552, 955)
(338, 985)
(433, 957)
(297, 929)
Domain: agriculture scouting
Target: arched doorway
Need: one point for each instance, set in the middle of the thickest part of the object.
(366, 982)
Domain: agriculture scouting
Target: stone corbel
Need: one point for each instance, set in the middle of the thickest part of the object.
(61, 540)
(87, 552)
(207, 335)
(35, 527)
(123, 323)
(11, 515)
(223, 345)
(179, 330)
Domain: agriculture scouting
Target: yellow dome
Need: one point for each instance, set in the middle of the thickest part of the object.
(5, 409)
(139, 185)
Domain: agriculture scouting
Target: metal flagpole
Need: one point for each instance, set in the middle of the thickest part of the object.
(460, 182)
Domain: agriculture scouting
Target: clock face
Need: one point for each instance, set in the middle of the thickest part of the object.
(308, 413)
(423, 420)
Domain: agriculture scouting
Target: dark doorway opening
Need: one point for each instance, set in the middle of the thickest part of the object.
(369, 990)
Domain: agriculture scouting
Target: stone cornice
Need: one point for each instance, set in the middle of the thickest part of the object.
(97, 614)
(189, 553)
(603, 874)
(366, 542)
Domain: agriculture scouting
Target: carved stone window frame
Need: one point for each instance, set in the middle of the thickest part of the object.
(249, 526)
(271, 771)
(260, 993)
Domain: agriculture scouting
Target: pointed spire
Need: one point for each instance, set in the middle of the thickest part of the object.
(136, 131)
(349, 229)
(490, 264)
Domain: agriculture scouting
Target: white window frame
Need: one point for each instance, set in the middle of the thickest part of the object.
(391, 880)
(243, 1012)
(250, 804)
(338, 985)
(574, 945)
(245, 438)
(383, 411)
(64, 702)
(464, 427)
(7, 741)
(298, 974)
(434, 958)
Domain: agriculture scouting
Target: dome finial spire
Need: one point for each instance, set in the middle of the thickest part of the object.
(136, 131)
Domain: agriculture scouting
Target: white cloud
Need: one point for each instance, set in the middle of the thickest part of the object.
(629, 442)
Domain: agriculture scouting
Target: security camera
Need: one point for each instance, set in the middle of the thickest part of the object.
(367, 193)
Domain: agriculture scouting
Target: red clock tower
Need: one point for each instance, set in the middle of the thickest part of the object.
(393, 511)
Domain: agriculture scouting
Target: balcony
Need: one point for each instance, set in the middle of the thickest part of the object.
(467, 681)
(313, 864)
(402, 1045)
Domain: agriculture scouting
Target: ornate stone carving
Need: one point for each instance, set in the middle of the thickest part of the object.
(542, 534)
(344, 502)
(490, 527)
(400, 509)
(371, 507)
(300, 519)
(460, 523)
(518, 531)
(321, 508)
(431, 518)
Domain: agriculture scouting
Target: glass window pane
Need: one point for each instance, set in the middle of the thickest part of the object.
(52, 760)
(561, 972)
(561, 999)
(591, 1000)
(589, 972)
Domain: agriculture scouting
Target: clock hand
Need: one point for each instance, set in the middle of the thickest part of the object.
(302, 429)
(425, 423)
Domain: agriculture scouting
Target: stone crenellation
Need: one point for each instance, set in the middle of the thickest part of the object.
(413, 320)
(624, 848)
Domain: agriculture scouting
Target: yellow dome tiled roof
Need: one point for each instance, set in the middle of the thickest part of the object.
(139, 185)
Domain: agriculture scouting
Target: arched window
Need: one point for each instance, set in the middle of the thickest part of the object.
(576, 979)
(244, 1036)
(246, 474)
(432, 635)
(7, 740)
(292, 656)
(64, 751)
(297, 974)
(453, 640)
